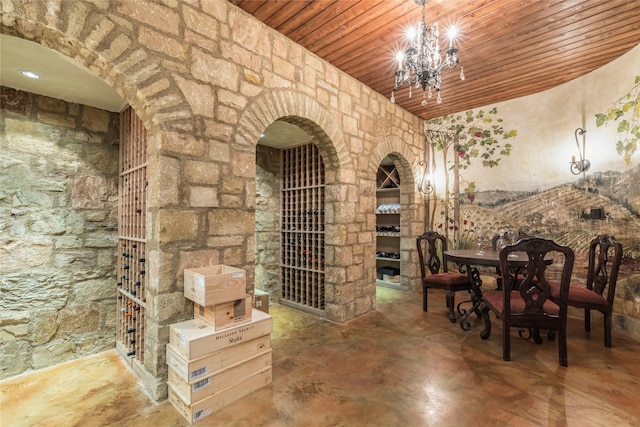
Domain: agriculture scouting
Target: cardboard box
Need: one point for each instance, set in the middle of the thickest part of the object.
(194, 370)
(261, 300)
(225, 315)
(215, 402)
(214, 284)
(394, 279)
(218, 381)
(194, 338)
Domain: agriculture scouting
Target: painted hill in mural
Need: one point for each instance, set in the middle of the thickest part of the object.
(570, 214)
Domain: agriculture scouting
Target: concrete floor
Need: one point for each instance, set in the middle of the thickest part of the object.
(394, 367)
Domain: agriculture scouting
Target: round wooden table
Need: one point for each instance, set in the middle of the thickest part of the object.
(470, 259)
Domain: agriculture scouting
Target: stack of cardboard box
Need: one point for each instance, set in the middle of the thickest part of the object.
(224, 353)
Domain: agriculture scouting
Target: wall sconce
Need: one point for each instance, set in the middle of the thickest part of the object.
(582, 165)
(424, 186)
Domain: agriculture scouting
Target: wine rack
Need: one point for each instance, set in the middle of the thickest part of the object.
(302, 234)
(131, 260)
(388, 225)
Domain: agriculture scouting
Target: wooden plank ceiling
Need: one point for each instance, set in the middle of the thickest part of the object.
(509, 48)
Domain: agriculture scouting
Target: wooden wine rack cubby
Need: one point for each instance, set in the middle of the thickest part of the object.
(388, 225)
(131, 264)
(302, 236)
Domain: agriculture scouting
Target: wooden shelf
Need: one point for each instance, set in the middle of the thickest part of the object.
(302, 227)
(387, 218)
(388, 177)
(131, 261)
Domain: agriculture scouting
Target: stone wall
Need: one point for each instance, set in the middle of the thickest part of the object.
(268, 189)
(58, 194)
(206, 79)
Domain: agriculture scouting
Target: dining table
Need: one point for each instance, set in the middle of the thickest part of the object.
(468, 261)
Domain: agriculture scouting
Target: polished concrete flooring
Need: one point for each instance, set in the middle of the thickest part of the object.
(394, 367)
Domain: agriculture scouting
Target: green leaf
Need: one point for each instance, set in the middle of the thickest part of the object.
(600, 119)
(623, 126)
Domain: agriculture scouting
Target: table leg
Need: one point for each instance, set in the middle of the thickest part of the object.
(476, 295)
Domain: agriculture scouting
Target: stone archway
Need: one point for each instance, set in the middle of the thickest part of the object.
(306, 113)
(411, 204)
(87, 34)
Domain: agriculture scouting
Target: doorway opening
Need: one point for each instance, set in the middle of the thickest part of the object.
(388, 231)
(290, 215)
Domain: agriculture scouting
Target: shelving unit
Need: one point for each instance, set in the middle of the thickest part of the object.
(131, 261)
(302, 233)
(388, 225)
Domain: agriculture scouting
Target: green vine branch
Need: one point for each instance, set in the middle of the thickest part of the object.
(626, 113)
(479, 135)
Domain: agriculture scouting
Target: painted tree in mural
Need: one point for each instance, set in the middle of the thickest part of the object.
(626, 113)
(466, 137)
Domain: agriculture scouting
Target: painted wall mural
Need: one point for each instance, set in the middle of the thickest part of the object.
(528, 184)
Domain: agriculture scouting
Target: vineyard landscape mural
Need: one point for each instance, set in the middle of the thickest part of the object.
(507, 167)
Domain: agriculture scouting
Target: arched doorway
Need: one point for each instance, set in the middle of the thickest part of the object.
(290, 214)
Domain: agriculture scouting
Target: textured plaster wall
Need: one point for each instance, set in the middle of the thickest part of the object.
(546, 123)
(533, 188)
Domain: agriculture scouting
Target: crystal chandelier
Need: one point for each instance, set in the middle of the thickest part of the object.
(421, 64)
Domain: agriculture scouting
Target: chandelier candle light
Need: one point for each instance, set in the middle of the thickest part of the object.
(421, 64)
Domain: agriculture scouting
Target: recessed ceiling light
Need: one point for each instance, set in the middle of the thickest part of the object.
(30, 74)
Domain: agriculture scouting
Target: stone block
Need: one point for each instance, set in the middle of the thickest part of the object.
(200, 22)
(26, 292)
(153, 14)
(231, 201)
(51, 104)
(231, 185)
(223, 241)
(95, 120)
(14, 358)
(244, 164)
(160, 43)
(168, 307)
(44, 326)
(198, 172)
(221, 132)
(202, 197)
(101, 239)
(94, 290)
(177, 225)
(53, 353)
(218, 72)
(116, 48)
(181, 143)
(57, 120)
(217, 9)
(230, 222)
(78, 319)
(88, 191)
(201, 98)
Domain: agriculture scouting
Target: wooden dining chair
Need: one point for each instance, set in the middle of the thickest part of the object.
(494, 245)
(435, 274)
(528, 304)
(605, 256)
